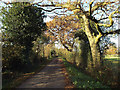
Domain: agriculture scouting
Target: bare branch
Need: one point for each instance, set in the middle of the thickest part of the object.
(59, 13)
(90, 6)
(112, 32)
(107, 18)
(100, 4)
(49, 10)
(110, 18)
(65, 46)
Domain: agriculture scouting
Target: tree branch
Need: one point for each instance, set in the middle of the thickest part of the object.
(110, 18)
(58, 13)
(107, 18)
(91, 6)
(50, 10)
(112, 32)
(65, 46)
(100, 4)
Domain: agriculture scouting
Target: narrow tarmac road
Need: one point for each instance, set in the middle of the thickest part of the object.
(52, 76)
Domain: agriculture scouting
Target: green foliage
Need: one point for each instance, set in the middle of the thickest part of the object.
(81, 55)
(81, 80)
(22, 24)
(12, 57)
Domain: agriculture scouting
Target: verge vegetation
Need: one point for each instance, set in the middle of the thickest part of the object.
(80, 79)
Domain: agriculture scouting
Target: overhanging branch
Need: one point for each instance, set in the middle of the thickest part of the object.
(107, 18)
(90, 7)
(49, 10)
(112, 32)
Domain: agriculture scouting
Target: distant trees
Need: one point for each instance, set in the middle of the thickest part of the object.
(111, 50)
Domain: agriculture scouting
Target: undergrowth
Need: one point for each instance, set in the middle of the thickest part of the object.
(81, 80)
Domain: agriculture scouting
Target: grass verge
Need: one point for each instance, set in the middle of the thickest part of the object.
(81, 80)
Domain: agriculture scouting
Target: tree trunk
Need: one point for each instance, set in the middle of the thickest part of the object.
(93, 45)
(84, 55)
(95, 54)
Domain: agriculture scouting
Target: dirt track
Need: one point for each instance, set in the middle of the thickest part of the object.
(51, 76)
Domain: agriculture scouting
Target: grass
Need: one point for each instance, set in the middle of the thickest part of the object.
(112, 58)
(112, 61)
(81, 80)
(21, 77)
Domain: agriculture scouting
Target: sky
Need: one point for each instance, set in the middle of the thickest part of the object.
(115, 40)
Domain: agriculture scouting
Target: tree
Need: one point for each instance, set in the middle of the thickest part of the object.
(69, 31)
(23, 23)
(111, 50)
(63, 30)
(40, 43)
(90, 10)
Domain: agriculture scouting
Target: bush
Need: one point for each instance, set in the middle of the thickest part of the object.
(13, 64)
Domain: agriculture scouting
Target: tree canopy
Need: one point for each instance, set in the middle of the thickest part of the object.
(22, 24)
(63, 30)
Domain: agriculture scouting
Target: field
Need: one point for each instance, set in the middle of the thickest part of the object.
(113, 63)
